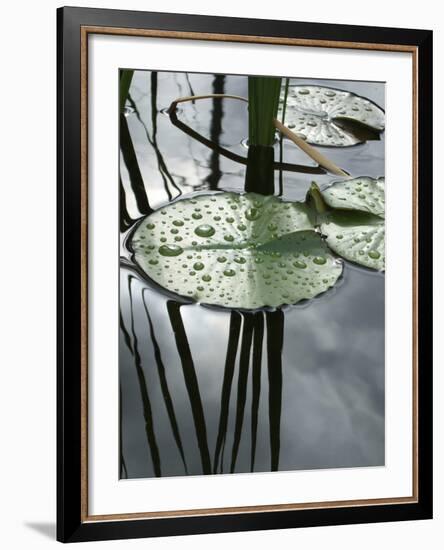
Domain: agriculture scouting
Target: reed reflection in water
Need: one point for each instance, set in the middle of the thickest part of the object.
(248, 333)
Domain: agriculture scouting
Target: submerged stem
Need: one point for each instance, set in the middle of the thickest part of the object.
(184, 99)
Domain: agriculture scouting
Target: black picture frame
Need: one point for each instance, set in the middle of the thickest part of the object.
(71, 523)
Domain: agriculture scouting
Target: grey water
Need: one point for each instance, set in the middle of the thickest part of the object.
(206, 390)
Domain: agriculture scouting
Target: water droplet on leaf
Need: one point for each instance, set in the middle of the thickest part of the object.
(205, 230)
(170, 250)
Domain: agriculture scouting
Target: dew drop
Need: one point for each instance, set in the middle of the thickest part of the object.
(221, 259)
(196, 216)
(151, 226)
(178, 223)
(170, 250)
(374, 254)
(229, 238)
(206, 278)
(198, 266)
(204, 230)
(319, 260)
(299, 264)
(252, 214)
(229, 272)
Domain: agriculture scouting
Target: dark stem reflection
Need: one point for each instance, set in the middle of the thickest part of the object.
(258, 337)
(247, 334)
(230, 362)
(164, 385)
(132, 165)
(147, 409)
(275, 340)
(191, 382)
(215, 133)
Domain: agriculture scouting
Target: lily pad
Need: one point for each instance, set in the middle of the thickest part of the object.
(326, 116)
(364, 194)
(235, 250)
(355, 227)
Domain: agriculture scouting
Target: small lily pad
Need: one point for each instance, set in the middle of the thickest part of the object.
(355, 226)
(235, 250)
(364, 194)
(326, 116)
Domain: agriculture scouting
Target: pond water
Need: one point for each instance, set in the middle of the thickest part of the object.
(206, 390)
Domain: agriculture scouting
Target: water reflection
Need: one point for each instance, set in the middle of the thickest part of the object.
(215, 131)
(146, 403)
(132, 165)
(215, 391)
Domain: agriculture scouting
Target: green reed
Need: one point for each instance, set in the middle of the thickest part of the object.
(263, 103)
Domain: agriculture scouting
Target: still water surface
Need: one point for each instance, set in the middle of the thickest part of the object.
(207, 390)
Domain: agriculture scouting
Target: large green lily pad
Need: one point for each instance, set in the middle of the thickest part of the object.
(235, 250)
(326, 116)
(355, 226)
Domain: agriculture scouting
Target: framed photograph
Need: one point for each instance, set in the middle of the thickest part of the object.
(245, 281)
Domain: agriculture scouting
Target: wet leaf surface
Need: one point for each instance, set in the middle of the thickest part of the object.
(330, 117)
(235, 250)
(355, 227)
